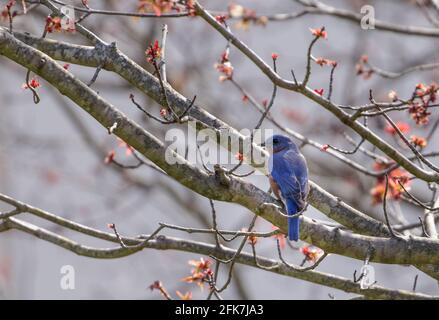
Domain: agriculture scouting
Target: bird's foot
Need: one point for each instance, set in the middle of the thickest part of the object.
(270, 205)
(282, 205)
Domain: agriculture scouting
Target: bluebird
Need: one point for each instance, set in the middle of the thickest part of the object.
(288, 176)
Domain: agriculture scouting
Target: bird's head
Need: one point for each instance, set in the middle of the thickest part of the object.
(278, 143)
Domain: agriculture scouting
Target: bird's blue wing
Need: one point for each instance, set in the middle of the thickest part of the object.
(291, 174)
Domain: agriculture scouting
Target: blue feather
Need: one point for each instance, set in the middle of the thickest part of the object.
(293, 223)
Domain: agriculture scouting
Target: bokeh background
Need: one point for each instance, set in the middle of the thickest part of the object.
(52, 154)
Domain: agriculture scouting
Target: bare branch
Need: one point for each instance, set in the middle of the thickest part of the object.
(166, 243)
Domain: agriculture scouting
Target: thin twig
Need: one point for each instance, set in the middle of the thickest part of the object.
(389, 226)
(424, 230)
(402, 136)
(119, 238)
(309, 58)
(95, 75)
(214, 223)
(163, 53)
(315, 265)
(35, 95)
(232, 261)
(331, 81)
(416, 200)
(258, 125)
(415, 283)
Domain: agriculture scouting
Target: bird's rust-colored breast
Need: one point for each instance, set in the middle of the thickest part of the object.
(274, 187)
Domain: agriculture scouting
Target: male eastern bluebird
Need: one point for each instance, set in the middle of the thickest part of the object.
(288, 178)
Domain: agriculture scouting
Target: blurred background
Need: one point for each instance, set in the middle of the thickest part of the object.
(52, 154)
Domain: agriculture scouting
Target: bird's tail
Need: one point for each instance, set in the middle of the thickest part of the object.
(293, 223)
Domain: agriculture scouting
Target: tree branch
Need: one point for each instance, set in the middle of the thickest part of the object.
(170, 243)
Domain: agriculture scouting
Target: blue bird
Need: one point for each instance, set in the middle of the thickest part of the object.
(288, 178)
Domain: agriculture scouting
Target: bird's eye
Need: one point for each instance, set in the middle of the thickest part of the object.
(275, 140)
